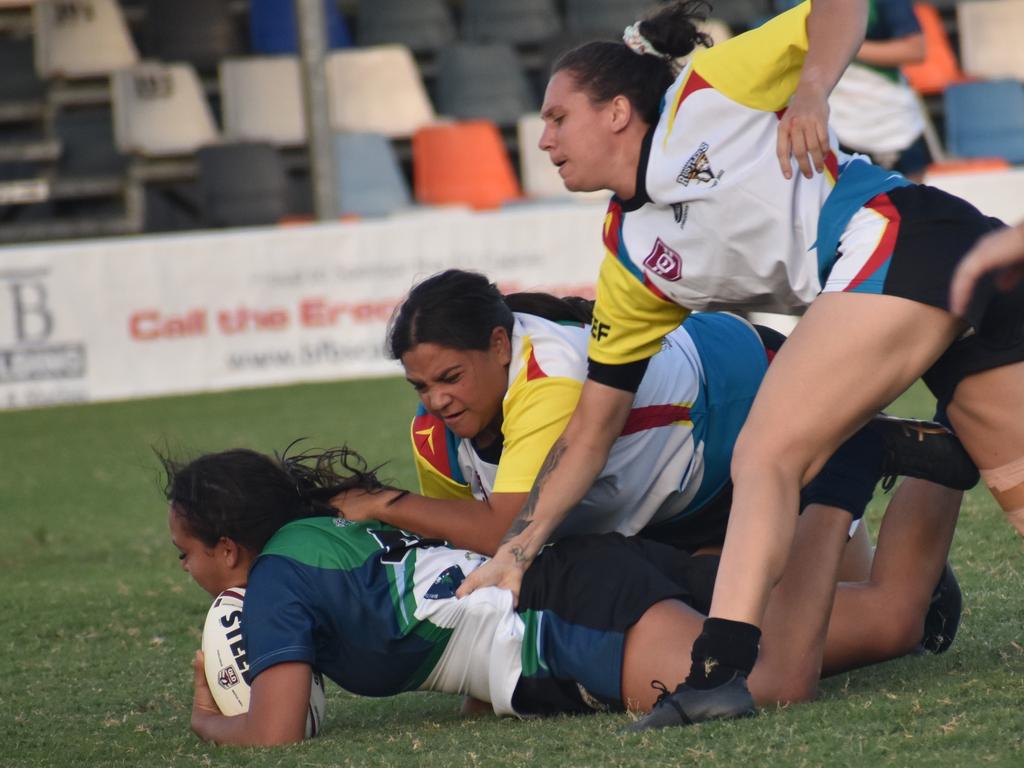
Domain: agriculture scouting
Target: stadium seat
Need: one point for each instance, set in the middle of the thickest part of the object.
(241, 185)
(463, 164)
(19, 84)
(509, 21)
(370, 180)
(79, 40)
(160, 110)
(273, 28)
(483, 80)
(261, 99)
(603, 18)
(990, 38)
(741, 14)
(940, 67)
(200, 32)
(377, 90)
(986, 119)
(540, 176)
(420, 25)
(87, 138)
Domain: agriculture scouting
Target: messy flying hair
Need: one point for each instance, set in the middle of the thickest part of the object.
(247, 496)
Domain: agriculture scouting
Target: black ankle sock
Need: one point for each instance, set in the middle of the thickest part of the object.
(723, 650)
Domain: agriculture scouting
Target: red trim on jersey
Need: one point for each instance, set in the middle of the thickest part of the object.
(533, 369)
(832, 164)
(652, 416)
(883, 205)
(693, 83)
(781, 112)
(428, 435)
(655, 290)
(612, 227)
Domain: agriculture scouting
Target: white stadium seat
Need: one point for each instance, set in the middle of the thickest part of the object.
(160, 110)
(261, 100)
(377, 90)
(81, 38)
(989, 38)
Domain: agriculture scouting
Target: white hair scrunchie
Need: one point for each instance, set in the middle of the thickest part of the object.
(639, 44)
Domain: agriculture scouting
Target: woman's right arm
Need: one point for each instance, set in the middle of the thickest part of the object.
(464, 523)
(277, 708)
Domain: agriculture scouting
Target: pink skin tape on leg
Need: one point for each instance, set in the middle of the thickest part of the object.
(1005, 477)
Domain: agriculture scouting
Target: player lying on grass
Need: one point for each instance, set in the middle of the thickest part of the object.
(498, 385)
(374, 608)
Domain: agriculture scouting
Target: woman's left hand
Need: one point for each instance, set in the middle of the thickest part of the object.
(360, 506)
(803, 131)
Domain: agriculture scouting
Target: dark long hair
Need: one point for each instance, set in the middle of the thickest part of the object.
(605, 69)
(247, 496)
(459, 310)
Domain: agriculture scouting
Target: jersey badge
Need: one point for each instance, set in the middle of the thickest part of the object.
(698, 169)
(445, 584)
(428, 438)
(664, 262)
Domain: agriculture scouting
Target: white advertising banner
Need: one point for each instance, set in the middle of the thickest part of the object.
(147, 316)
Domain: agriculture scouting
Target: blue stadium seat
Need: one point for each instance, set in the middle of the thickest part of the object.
(510, 21)
(370, 180)
(986, 119)
(483, 81)
(273, 28)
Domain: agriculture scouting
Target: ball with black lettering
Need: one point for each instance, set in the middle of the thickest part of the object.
(226, 663)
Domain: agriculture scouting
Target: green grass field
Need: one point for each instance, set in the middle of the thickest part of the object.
(99, 623)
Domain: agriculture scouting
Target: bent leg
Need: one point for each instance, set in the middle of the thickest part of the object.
(796, 619)
(883, 618)
(987, 412)
(812, 399)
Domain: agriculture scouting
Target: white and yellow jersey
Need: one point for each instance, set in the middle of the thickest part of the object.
(714, 224)
(673, 454)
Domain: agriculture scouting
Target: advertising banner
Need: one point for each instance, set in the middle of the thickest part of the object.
(146, 316)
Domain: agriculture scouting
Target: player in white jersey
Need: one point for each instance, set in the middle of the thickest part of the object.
(497, 386)
(708, 213)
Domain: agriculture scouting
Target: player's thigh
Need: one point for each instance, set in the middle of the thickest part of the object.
(658, 649)
(849, 356)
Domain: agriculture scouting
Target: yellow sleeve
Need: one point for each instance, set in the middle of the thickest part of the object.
(760, 68)
(630, 320)
(430, 451)
(535, 416)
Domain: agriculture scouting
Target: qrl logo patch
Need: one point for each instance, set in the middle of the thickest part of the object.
(664, 262)
(227, 678)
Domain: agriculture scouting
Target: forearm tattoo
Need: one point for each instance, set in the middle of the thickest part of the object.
(525, 516)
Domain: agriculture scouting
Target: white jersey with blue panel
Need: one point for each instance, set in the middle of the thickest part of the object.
(673, 455)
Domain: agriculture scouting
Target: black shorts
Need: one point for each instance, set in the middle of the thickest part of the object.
(578, 599)
(936, 231)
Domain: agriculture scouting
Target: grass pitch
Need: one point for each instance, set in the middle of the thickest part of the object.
(99, 623)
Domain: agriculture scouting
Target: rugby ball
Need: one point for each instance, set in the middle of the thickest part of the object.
(225, 661)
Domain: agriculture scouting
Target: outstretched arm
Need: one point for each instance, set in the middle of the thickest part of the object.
(277, 708)
(465, 523)
(571, 466)
(835, 32)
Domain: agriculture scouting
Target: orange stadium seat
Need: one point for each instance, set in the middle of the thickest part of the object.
(463, 163)
(940, 67)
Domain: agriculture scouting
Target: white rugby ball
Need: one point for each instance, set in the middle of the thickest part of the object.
(225, 661)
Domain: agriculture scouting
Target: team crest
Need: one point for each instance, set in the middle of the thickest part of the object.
(444, 586)
(664, 262)
(698, 168)
(227, 678)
